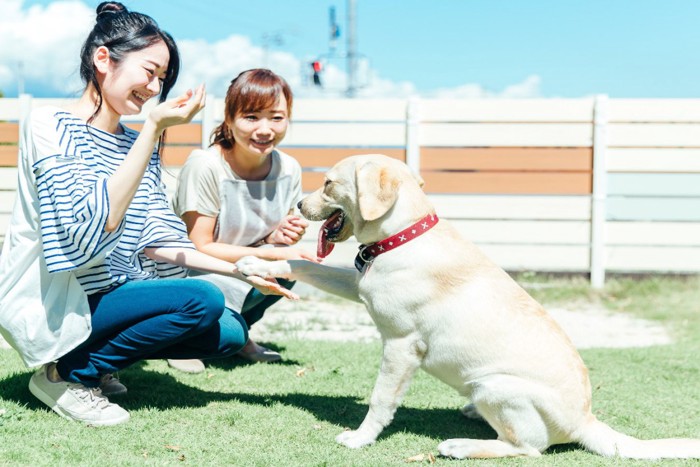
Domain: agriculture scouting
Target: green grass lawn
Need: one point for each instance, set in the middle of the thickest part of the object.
(288, 414)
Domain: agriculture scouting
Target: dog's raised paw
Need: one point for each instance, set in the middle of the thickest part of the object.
(253, 266)
(354, 439)
(250, 266)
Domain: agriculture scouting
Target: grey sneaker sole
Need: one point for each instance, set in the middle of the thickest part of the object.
(46, 399)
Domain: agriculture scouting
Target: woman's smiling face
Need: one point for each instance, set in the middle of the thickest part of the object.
(127, 85)
(257, 133)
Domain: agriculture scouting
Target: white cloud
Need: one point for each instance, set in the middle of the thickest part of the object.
(528, 88)
(48, 52)
(216, 64)
(37, 43)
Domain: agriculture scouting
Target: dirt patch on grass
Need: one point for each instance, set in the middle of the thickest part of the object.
(319, 316)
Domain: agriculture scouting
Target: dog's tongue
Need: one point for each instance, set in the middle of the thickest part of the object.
(324, 246)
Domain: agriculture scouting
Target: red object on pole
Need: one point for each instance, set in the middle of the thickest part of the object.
(317, 67)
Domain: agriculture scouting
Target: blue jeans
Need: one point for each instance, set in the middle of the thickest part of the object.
(155, 319)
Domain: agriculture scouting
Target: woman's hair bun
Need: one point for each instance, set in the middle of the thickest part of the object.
(110, 8)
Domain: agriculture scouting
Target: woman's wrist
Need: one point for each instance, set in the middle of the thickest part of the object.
(150, 126)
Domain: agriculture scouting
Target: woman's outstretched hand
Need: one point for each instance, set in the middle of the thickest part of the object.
(179, 110)
(271, 287)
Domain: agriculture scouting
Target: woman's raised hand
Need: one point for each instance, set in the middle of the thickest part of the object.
(289, 232)
(179, 110)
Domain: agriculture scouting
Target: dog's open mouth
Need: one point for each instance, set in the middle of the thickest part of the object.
(329, 233)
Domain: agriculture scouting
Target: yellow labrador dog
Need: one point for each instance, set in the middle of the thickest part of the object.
(441, 305)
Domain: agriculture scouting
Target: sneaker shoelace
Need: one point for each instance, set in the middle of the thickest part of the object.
(92, 396)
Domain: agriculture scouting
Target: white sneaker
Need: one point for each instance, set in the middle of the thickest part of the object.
(75, 401)
(111, 386)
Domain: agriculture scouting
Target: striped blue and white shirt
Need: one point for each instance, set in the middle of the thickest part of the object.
(72, 191)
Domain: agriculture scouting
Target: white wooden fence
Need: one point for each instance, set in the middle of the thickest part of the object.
(578, 185)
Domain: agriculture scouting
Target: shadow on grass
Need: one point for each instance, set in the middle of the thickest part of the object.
(229, 363)
(343, 411)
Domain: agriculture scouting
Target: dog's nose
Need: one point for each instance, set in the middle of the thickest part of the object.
(299, 204)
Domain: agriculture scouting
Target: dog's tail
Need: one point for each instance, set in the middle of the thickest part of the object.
(599, 438)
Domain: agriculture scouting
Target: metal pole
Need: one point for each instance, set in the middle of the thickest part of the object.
(352, 53)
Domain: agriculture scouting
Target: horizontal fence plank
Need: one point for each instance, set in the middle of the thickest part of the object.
(505, 158)
(525, 232)
(9, 132)
(504, 207)
(554, 258)
(9, 109)
(348, 110)
(654, 135)
(654, 110)
(177, 155)
(8, 155)
(506, 134)
(653, 259)
(324, 158)
(346, 134)
(7, 200)
(311, 181)
(8, 178)
(559, 183)
(654, 184)
(4, 222)
(560, 258)
(653, 160)
(653, 233)
(506, 110)
(190, 133)
(653, 209)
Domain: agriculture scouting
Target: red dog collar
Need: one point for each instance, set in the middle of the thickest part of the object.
(367, 253)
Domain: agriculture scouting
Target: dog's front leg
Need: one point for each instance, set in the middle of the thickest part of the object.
(335, 280)
(400, 361)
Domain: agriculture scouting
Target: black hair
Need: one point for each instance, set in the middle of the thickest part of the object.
(122, 32)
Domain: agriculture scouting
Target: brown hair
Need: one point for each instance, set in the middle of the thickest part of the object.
(251, 91)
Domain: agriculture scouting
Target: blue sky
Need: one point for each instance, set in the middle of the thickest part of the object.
(431, 48)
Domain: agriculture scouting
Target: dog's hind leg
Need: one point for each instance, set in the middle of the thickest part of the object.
(400, 360)
(483, 448)
(515, 418)
(509, 443)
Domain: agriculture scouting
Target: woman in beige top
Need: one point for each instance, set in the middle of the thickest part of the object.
(237, 198)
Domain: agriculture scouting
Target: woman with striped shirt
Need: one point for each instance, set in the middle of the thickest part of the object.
(93, 265)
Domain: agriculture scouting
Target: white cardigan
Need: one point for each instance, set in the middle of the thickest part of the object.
(42, 315)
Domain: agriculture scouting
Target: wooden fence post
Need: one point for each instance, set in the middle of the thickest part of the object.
(412, 136)
(599, 195)
(25, 108)
(208, 120)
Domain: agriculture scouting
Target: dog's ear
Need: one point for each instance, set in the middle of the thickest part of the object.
(377, 189)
